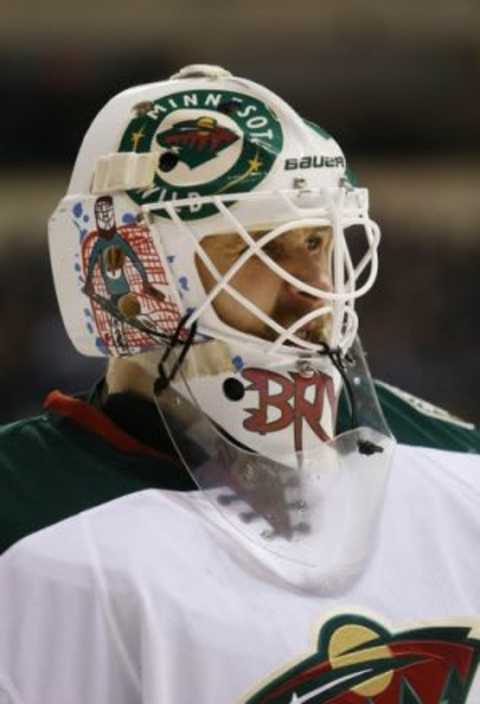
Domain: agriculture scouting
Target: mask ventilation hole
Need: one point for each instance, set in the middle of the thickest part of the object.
(233, 389)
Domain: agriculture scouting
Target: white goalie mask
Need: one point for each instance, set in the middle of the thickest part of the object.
(238, 239)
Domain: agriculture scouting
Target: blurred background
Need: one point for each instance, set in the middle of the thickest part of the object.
(396, 83)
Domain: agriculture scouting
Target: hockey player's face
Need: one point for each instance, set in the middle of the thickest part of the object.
(303, 252)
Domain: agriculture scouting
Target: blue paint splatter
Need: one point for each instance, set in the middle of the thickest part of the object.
(129, 218)
(238, 363)
(90, 328)
(183, 281)
(101, 346)
(189, 311)
(86, 218)
(170, 258)
(77, 210)
(87, 312)
(82, 234)
(77, 267)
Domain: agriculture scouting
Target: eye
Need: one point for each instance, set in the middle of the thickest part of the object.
(313, 242)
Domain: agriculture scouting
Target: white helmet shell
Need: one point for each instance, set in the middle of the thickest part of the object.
(202, 153)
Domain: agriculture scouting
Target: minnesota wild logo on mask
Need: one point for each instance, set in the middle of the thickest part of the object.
(194, 142)
(207, 142)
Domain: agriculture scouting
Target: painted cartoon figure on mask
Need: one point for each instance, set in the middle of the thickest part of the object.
(113, 256)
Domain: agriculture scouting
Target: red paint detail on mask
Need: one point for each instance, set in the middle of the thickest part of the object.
(291, 401)
(213, 140)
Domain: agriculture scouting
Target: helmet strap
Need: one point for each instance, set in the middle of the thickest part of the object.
(164, 377)
(340, 362)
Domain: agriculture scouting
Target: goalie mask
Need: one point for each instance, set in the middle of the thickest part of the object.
(215, 235)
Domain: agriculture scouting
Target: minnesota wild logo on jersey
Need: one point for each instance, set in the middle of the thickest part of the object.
(208, 142)
(358, 661)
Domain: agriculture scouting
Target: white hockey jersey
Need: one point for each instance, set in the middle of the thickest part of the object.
(154, 598)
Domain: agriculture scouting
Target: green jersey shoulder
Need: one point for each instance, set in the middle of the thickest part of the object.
(414, 421)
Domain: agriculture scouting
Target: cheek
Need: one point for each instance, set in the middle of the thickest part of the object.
(259, 284)
(206, 279)
(234, 314)
(256, 283)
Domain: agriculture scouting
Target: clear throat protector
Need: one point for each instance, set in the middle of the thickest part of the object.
(317, 507)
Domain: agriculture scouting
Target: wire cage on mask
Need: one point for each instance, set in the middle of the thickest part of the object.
(138, 282)
(276, 214)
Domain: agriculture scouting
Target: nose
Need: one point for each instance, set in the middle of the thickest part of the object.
(324, 282)
(314, 274)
